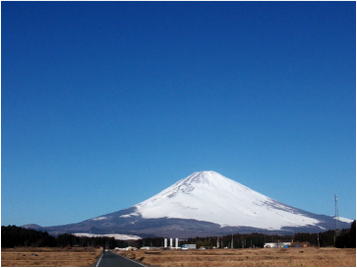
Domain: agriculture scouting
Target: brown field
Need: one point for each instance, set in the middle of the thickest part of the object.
(49, 257)
(281, 257)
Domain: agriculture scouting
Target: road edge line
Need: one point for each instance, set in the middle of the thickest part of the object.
(101, 256)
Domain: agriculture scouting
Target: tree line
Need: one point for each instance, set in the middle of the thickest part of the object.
(347, 238)
(239, 241)
(14, 236)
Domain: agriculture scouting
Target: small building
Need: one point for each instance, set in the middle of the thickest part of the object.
(188, 246)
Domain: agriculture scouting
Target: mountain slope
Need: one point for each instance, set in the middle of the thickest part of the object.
(205, 203)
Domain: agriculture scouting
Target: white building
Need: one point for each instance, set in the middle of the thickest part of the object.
(277, 245)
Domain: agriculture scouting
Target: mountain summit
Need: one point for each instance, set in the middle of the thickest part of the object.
(204, 204)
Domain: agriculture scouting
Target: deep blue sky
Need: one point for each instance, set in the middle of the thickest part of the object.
(105, 104)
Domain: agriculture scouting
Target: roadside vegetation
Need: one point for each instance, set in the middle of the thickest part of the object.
(258, 257)
(49, 256)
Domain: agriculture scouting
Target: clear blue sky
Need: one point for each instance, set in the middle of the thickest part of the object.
(104, 104)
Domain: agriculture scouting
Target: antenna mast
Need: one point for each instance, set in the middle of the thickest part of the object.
(337, 230)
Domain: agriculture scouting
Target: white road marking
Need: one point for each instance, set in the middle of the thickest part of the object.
(99, 260)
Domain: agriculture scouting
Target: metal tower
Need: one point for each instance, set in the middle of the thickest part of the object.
(337, 229)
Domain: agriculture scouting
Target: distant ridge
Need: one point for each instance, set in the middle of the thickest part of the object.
(32, 226)
(204, 203)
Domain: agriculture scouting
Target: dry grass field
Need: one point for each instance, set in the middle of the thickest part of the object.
(281, 257)
(49, 257)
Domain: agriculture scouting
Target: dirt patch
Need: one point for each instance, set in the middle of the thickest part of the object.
(49, 257)
(291, 257)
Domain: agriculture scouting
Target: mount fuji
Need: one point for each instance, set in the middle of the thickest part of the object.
(204, 204)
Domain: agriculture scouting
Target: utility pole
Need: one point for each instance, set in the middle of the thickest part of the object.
(232, 241)
(337, 231)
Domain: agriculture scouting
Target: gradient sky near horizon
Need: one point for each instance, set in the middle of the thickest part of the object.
(105, 104)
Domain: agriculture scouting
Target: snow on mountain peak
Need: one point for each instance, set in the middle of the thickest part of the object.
(212, 179)
(209, 196)
(207, 177)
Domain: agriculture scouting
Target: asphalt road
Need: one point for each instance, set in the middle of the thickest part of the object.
(110, 259)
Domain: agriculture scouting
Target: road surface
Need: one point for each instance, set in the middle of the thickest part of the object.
(110, 259)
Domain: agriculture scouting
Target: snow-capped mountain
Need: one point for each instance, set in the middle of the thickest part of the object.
(204, 203)
(209, 196)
